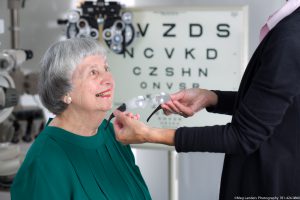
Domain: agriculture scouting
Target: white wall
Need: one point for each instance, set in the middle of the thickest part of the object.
(39, 29)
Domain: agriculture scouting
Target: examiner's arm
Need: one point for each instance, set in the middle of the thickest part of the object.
(226, 102)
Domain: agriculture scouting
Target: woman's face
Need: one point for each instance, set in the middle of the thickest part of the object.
(93, 85)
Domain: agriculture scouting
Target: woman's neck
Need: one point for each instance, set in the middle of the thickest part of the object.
(85, 124)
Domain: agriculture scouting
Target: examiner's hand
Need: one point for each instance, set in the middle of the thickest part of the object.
(132, 116)
(128, 129)
(187, 102)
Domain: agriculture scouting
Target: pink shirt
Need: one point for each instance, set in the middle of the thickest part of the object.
(289, 7)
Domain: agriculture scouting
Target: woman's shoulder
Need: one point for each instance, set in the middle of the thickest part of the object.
(109, 131)
(44, 158)
(45, 166)
(44, 151)
(122, 148)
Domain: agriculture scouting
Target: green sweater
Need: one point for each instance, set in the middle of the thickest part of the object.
(66, 166)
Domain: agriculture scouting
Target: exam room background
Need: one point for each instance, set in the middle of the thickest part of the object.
(39, 30)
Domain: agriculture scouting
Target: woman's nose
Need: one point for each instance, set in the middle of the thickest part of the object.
(108, 81)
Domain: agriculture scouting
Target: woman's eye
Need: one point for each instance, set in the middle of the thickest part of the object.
(93, 72)
(106, 68)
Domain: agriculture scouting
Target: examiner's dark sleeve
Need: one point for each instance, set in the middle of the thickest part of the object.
(226, 101)
(271, 92)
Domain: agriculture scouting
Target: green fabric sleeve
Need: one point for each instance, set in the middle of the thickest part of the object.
(40, 182)
(136, 168)
(129, 156)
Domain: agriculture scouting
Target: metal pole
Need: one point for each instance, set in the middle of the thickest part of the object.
(173, 175)
(15, 28)
(14, 6)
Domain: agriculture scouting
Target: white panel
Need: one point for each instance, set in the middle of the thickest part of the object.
(1, 26)
(4, 195)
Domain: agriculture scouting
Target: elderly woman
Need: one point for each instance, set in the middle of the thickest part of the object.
(75, 157)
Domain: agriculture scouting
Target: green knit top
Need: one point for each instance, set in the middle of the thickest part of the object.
(66, 166)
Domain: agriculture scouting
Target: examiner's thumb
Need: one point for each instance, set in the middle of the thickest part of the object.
(118, 122)
(120, 116)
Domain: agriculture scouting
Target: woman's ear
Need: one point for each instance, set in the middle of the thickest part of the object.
(67, 99)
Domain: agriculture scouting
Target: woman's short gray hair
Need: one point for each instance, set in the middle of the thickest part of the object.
(58, 65)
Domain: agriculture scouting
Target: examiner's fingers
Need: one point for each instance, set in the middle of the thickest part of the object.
(120, 121)
(167, 111)
(137, 116)
(121, 116)
(177, 96)
(172, 107)
(132, 116)
(184, 110)
(129, 115)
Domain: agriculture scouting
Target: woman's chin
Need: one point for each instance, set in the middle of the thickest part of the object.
(107, 107)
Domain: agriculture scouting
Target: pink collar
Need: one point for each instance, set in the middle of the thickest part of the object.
(289, 7)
